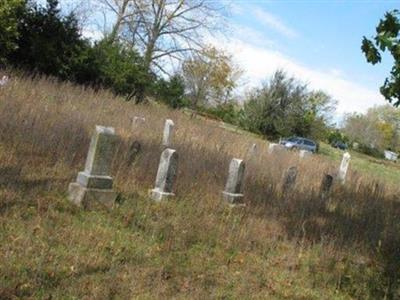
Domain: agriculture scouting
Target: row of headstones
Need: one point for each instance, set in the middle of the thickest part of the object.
(94, 184)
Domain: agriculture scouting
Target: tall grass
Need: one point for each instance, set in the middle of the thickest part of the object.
(45, 130)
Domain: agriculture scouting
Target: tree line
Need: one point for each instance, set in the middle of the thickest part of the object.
(155, 49)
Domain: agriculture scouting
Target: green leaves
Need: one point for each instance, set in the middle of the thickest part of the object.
(387, 38)
(371, 52)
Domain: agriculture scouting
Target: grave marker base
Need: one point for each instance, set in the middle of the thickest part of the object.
(91, 198)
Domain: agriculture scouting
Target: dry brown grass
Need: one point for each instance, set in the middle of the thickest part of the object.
(294, 245)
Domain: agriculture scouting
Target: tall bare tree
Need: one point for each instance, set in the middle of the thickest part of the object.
(164, 29)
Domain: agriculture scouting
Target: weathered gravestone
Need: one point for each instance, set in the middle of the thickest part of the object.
(304, 153)
(136, 121)
(289, 180)
(232, 193)
(344, 167)
(326, 185)
(168, 133)
(273, 146)
(94, 184)
(166, 175)
(133, 152)
(253, 149)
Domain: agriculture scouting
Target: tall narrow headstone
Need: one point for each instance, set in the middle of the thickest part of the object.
(343, 167)
(94, 184)
(168, 133)
(232, 193)
(326, 184)
(166, 174)
(289, 180)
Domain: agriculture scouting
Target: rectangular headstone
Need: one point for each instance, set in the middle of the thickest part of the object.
(289, 179)
(166, 174)
(344, 165)
(326, 185)
(95, 183)
(168, 133)
(232, 192)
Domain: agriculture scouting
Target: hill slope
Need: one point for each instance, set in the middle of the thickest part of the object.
(280, 246)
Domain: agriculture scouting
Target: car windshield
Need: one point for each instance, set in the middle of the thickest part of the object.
(293, 140)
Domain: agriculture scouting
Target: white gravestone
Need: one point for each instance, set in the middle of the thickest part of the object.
(343, 167)
(304, 153)
(232, 193)
(94, 184)
(166, 175)
(168, 133)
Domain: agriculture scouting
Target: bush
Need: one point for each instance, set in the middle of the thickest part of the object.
(171, 91)
(47, 42)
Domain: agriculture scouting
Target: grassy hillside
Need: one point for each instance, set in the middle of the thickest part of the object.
(280, 246)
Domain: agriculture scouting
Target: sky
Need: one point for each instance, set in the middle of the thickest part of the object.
(317, 42)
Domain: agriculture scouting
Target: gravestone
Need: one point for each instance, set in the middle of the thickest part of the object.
(4, 80)
(289, 180)
(326, 185)
(232, 193)
(273, 146)
(168, 133)
(133, 152)
(166, 175)
(136, 121)
(94, 184)
(253, 149)
(343, 167)
(304, 153)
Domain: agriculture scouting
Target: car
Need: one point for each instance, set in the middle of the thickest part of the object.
(339, 145)
(300, 143)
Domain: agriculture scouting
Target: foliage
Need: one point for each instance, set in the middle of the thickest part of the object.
(210, 77)
(47, 42)
(171, 91)
(113, 65)
(50, 43)
(228, 112)
(9, 13)
(284, 107)
(378, 128)
(337, 136)
(387, 38)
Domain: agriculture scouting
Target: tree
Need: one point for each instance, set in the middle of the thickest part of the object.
(10, 10)
(170, 91)
(162, 29)
(47, 42)
(284, 107)
(387, 38)
(210, 77)
(378, 128)
(111, 65)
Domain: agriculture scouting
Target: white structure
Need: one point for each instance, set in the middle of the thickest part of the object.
(253, 149)
(304, 153)
(138, 120)
(94, 184)
(232, 193)
(389, 155)
(166, 175)
(343, 167)
(168, 133)
(273, 146)
(4, 80)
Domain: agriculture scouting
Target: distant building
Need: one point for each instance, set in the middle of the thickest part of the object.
(390, 155)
